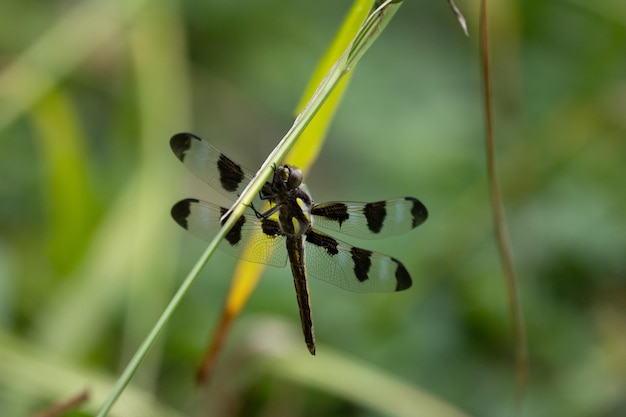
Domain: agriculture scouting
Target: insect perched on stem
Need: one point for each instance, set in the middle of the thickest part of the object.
(288, 230)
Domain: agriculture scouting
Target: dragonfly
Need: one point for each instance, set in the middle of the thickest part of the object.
(287, 232)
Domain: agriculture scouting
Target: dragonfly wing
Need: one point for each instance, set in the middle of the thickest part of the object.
(370, 220)
(352, 268)
(252, 239)
(210, 165)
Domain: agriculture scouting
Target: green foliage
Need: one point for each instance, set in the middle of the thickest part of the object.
(90, 94)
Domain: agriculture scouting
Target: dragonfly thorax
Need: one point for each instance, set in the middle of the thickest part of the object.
(294, 212)
(292, 203)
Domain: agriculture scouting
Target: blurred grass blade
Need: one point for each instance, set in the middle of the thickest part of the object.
(338, 375)
(119, 254)
(246, 276)
(459, 16)
(36, 71)
(244, 281)
(305, 152)
(504, 246)
(70, 202)
(65, 407)
(361, 384)
(379, 17)
(159, 57)
(30, 374)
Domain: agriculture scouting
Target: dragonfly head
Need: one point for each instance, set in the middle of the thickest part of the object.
(289, 177)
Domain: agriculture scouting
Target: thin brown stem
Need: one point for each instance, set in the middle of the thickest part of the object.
(504, 247)
(65, 406)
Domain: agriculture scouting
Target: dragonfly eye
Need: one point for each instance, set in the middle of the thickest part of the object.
(294, 177)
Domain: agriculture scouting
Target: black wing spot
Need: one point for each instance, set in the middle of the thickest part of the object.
(234, 235)
(418, 211)
(323, 241)
(375, 214)
(231, 174)
(362, 263)
(337, 212)
(180, 144)
(403, 279)
(270, 227)
(181, 210)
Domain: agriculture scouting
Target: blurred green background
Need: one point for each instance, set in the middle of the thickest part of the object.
(90, 93)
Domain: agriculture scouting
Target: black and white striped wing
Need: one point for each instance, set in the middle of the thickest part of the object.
(370, 220)
(351, 268)
(327, 259)
(252, 239)
(210, 165)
